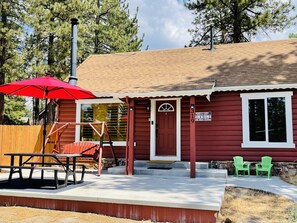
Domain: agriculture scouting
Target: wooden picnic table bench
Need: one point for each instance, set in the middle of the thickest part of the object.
(68, 166)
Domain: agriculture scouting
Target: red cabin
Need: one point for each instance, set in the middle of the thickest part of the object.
(192, 104)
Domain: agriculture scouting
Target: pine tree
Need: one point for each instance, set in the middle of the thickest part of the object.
(15, 110)
(292, 35)
(104, 26)
(114, 30)
(237, 20)
(11, 31)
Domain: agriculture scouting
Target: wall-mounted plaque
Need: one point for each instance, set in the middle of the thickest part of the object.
(202, 116)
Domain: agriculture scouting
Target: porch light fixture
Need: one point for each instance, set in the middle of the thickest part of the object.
(192, 106)
(148, 107)
(131, 108)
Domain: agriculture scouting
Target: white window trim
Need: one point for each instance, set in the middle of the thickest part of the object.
(245, 120)
(94, 101)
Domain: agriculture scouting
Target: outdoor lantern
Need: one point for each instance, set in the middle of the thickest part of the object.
(148, 107)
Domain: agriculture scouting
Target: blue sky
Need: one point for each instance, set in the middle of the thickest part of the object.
(165, 24)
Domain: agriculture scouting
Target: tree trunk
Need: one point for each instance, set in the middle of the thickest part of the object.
(50, 113)
(50, 58)
(236, 24)
(3, 20)
(96, 38)
(36, 111)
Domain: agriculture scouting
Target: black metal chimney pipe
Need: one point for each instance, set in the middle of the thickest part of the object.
(73, 78)
(211, 38)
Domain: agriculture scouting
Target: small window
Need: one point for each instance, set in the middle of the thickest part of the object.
(267, 120)
(166, 107)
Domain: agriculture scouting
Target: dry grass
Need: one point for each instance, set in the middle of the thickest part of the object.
(251, 206)
(34, 215)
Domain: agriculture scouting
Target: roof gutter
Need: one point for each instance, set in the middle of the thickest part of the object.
(256, 87)
(202, 92)
(206, 92)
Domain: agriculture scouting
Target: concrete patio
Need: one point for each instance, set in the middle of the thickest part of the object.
(172, 193)
(126, 196)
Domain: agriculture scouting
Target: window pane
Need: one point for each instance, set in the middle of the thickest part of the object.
(257, 120)
(86, 132)
(277, 119)
(114, 115)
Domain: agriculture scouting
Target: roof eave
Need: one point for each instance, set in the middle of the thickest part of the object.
(256, 87)
(205, 92)
(202, 92)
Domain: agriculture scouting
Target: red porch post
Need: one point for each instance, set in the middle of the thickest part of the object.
(192, 138)
(131, 137)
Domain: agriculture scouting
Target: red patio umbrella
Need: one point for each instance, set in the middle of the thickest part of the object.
(46, 87)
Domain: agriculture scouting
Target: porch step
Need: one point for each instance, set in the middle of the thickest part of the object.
(166, 165)
(173, 172)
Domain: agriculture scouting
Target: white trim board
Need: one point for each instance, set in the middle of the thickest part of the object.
(153, 155)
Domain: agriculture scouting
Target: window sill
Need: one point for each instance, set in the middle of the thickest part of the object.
(118, 143)
(268, 145)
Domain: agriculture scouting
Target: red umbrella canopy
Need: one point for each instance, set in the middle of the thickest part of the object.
(46, 87)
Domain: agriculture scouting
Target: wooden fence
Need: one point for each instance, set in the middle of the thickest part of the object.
(18, 138)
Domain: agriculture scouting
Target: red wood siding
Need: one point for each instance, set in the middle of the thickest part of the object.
(136, 212)
(142, 130)
(221, 138)
(67, 113)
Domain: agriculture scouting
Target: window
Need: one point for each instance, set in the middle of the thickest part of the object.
(166, 107)
(267, 120)
(112, 112)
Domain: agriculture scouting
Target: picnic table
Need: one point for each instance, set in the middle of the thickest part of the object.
(58, 163)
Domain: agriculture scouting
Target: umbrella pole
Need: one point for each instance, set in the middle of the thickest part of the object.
(44, 131)
(44, 126)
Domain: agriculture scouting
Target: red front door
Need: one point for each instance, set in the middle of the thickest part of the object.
(166, 128)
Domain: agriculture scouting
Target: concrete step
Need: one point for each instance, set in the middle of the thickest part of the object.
(165, 165)
(175, 172)
(118, 170)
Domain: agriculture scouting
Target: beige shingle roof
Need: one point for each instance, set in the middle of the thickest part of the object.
(191, 69)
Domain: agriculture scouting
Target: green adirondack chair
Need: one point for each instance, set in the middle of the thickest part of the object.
(264, 166)
(240, 165)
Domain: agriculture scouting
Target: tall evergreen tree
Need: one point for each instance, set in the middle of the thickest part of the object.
(11, 30)
(15, 110)
(104, 26)
(237, 20)
(114, 30)
(49, 40)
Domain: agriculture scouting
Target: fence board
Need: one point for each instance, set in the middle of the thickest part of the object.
(18, 138)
